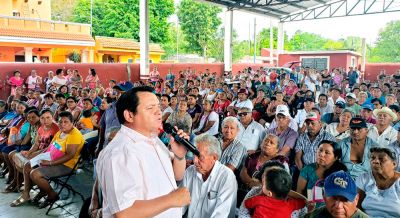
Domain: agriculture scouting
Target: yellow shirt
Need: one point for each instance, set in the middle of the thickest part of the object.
(73, 138)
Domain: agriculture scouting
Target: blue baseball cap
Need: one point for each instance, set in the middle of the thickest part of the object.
(124, 86)
(340, 104)
(368, 107)
(340, 184)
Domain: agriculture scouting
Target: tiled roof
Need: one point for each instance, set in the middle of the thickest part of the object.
(45, 35)
(110, 42)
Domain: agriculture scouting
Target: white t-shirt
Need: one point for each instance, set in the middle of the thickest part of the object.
(212, 117)
(240, 104)
(309, 83)
(135, 167)
(59, 81)
(32, 82)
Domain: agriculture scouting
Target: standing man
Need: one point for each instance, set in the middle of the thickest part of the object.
(136, 172)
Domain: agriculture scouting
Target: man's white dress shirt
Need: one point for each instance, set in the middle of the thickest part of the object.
(213, 198)
(135, 167)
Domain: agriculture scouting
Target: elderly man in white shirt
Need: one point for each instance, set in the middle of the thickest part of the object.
(212, 185)
(251, 133)
(136, 172)
(382, 132)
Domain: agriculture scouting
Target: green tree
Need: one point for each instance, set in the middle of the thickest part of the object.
(199, 23)
(120, 18)
(62, 9)
(387, 47)
(176, 40)
(304, 41)
(263, 39)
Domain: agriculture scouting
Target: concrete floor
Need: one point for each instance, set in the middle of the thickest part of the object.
(81, 182)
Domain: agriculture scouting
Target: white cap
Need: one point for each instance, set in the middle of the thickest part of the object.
(351, 95)
(282, 109)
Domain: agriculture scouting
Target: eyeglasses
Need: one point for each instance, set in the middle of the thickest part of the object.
(70, 101)
(243, 114)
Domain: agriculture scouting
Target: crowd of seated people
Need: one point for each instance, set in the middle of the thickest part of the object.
(312, 143)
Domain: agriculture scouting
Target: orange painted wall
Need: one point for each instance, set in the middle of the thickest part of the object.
(7, 54)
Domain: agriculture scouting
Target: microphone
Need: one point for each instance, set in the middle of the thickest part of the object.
(168, 128)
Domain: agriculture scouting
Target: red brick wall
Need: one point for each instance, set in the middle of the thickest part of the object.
(335, 60)
(372, 70)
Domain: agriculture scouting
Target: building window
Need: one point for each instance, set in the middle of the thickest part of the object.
(16, 14)
(317, 62)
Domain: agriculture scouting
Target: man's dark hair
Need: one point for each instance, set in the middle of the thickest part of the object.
(59, 71)
(323, 95)
(266, 165)
(279, 182)
(60, 95)
(86, 113)
(46, 111)
(130, 101)
(73, 98)
(88, 100)
(48, 95)
(35, 111)
(109, 100)
(167, 96)
(66, 114)
(376, 100)
(27, 109)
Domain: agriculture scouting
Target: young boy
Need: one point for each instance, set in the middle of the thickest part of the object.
(86, 122)
(274, 201)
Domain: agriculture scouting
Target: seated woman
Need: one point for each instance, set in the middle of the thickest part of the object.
(32, 118)
(45, 134)
(209, 120)
(73, 108)
(181, 117)
(64, 151)
(253, 163)
(341, 130)
(13, 136)
(233, 150)
(379, 189)
(328, 155)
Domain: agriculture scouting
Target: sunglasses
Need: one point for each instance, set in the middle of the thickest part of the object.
(243, 114)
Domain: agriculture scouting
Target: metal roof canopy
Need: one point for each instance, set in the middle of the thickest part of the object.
(297, 10)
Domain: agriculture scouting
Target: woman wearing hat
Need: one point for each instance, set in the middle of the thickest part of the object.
(382, 132)
(379, 189)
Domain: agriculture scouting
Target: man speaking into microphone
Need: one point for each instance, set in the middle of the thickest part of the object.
(136, 172)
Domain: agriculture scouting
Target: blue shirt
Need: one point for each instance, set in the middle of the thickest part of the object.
(356, 169)
(109, 122)
(382, 98)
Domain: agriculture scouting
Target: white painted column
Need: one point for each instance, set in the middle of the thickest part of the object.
(28, 54)
(281, 39)
(271, 43)
(144, 39)
(228, 40)
(84, 56)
